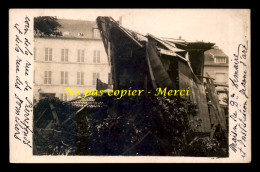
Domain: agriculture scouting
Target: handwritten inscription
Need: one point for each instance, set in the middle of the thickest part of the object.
(23, 104)
(239, 101)
(18, 83)
(27, 25)
(27, 67)
(18, 63)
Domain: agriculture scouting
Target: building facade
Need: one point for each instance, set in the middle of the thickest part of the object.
(216, 66)
(74, 60)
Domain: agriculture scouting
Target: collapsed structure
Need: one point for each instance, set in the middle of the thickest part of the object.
(147, 62)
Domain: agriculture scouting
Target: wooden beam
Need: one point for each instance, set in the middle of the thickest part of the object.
(126, 32)
(49, 124)
(161, 76)
(204, 77)
(150, 70)
(40, 116)
(70, 117)
(54, 114)
(222, 85)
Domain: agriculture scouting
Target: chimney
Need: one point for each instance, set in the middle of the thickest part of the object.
(179, 37)
(120, 20)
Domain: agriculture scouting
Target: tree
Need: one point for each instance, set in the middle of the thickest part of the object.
(47, 26)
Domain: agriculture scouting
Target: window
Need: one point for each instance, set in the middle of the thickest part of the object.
(95, 77)
(65, 33)
(80, 78)
(220, 60)
(96, 58)
(63, 97)
(64, 55)
(96, 33)
(47, 77)
(220, 77)
(109, 78)
(80, 34)
(81, 55)
(48, 54)
(64, 78)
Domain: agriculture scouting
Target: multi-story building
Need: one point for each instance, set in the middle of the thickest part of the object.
(216, 66)
(75, 59)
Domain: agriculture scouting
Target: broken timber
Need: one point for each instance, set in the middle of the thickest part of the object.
(148, 62)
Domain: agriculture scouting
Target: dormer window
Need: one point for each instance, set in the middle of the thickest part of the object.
(220, 59)
(65, 33)
(96, 33)
(80, 34)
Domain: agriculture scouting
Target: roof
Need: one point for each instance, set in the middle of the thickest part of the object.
(186, 45)
(77, 28)
(215, 52)
(139, 38)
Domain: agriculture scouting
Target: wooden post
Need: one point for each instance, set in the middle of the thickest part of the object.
(55, 116)
(215, 103)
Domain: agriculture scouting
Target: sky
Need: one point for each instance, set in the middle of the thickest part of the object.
(225, 27)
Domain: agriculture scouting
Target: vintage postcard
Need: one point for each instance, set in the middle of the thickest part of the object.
(130, 85)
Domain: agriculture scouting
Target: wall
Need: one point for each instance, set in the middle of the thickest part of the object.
(72, 66)
(212, 70)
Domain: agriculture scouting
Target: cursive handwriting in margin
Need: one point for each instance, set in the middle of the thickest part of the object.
(23, 105)
(239, 101)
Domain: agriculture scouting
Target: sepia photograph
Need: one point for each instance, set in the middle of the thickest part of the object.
(142, 83)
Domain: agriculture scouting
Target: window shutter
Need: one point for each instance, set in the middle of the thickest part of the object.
(50, 54)
(66, 54)
(66, 77)
(94, 79)
(98, 56)
(46, 54)
(82, 78)
(62, 78)
(82, 55)
(78, 77)
(62, 55)
(45, 77)
(78, 55)
(49, 79)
